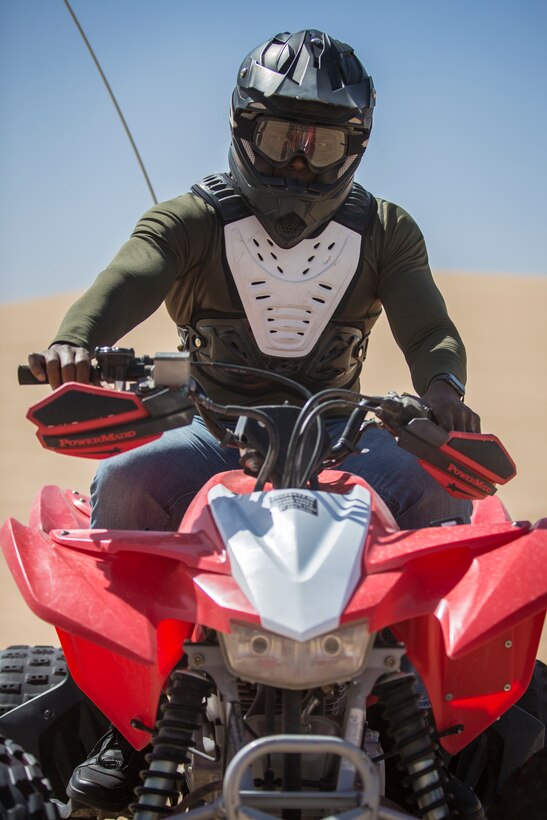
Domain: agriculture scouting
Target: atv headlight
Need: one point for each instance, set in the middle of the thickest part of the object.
(256, 655)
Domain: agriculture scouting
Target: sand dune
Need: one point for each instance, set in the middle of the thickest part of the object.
(502, 319)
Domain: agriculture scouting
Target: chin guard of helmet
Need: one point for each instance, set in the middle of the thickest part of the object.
(467, 465)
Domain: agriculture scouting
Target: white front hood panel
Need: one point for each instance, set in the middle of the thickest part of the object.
(296, 554)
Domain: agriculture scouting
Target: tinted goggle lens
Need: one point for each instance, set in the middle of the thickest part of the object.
(280, 141)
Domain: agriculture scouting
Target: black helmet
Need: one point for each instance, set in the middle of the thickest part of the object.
(305, 94)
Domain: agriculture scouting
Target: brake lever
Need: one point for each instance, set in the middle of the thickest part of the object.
(347, 443)
(396, 411)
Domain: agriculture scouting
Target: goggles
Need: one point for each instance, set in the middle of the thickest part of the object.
(279, 141)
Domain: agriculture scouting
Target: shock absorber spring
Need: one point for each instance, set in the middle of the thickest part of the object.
(172, 739)
(414, 744)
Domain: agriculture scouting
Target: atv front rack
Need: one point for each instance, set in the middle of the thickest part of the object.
(238, 803)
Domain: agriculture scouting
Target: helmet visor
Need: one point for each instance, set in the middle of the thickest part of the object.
(279, 141)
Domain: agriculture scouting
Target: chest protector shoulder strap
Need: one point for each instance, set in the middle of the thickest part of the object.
(219, 191)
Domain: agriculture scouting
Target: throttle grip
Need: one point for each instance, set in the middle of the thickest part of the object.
(24, 376)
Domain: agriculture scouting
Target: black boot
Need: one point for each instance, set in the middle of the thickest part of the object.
(464, 800)
(107, 779)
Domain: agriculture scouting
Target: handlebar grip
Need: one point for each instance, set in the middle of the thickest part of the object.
(133, 373)
(24, 376)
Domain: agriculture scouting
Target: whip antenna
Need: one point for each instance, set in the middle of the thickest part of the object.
(113, 98)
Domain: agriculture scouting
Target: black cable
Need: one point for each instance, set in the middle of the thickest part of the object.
(235, 411)
(113, 98)
(301, 477)
(317, 399)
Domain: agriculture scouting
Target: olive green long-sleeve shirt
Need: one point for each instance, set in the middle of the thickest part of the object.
(175, 254)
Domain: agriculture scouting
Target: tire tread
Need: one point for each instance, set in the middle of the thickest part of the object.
(27, 671)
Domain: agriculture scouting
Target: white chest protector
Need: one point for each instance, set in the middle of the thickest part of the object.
(289, 295)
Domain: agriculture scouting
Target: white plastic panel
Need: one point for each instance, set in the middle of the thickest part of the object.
(296, 554)
(289, 295)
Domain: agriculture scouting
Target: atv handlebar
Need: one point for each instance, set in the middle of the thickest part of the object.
(114, 364)
(285, 444)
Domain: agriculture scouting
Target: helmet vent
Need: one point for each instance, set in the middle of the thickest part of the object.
(248, 150)
(347, 164)
(290, 225)
(278, 57)
(350, 68)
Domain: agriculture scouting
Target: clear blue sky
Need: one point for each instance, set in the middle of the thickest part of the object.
(459, 138)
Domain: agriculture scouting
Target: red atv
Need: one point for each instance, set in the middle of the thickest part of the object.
(289, 651)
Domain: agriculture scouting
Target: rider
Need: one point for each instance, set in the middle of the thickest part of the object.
(285, 264)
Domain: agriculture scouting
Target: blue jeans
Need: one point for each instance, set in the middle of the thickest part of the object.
(151, 487)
